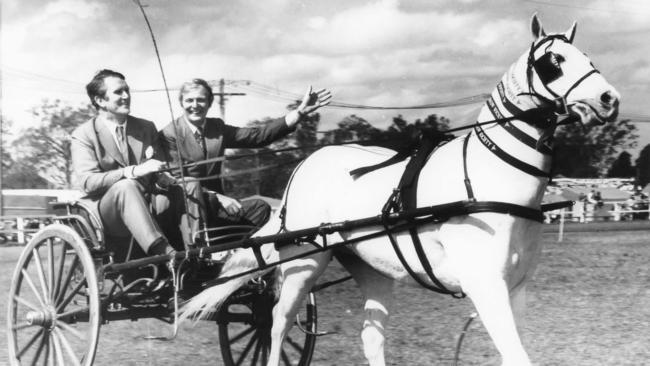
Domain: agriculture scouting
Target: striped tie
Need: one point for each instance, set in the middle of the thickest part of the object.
(200, 138)
(121, 143)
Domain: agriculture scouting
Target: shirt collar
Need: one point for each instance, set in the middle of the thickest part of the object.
(111, 125)
(192, 127)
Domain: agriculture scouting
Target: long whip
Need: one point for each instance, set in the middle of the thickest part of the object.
(169, 104)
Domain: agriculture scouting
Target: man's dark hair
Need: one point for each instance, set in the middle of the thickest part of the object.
(193, 84)
(96, 86)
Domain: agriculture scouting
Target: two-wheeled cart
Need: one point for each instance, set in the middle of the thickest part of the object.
(67, 284)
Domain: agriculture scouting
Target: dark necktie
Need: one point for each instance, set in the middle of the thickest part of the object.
(200, 138)
(121, 143)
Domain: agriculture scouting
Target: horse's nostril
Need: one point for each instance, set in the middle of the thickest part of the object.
(606, 97)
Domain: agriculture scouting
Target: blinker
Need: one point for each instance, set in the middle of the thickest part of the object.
(547, 68)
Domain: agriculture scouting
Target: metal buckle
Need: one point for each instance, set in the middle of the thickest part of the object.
(561, 107)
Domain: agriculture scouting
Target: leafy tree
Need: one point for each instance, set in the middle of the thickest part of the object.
(622, 167)
(643, 166)
(272, 182)
(16, 174)
(45, 148)
(276, 167)
(6, 157)
(399, 135)
(589, 152)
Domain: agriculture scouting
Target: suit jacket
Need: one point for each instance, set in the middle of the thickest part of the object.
(97, 161)
(218, 137)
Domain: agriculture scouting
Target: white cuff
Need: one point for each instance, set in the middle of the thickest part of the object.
(292, 118)
(129, 172)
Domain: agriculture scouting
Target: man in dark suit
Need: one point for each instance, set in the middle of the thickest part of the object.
(116, 159)
(199, 138)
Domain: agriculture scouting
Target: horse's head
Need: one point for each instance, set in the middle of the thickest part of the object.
(561, 75)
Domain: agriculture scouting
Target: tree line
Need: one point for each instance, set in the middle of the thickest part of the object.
(40, 156)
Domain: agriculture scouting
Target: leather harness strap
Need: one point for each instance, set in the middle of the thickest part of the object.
(496, 150)
(511, 128)
(404, 197)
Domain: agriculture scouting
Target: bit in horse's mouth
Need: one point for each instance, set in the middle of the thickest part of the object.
(588, 113)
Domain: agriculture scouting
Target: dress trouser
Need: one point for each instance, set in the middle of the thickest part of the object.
(254, 212)
(124, 211)
(181, 217)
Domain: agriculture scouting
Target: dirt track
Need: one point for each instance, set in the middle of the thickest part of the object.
(589, 304)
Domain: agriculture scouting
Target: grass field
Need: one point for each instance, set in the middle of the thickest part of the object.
(589, 304)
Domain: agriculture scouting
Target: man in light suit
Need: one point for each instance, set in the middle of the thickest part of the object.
(199, 138)
(116, 159)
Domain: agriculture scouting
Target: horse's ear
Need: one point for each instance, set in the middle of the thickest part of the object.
(536, 27)
(571, 33)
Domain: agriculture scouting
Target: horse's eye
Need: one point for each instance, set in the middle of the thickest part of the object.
(548, 67)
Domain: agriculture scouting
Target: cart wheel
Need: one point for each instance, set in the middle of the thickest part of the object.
(245, 332)
(53, 311)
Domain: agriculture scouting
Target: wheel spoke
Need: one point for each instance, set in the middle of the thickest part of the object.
(58, 349)
(285, 358)
(30, 343)
(70, 329)
(29, 281)
(72, 312)
(26, 303)
(68, 278)
(50, 269)
(59, 276)
(247, 349)
(70, 296)
(66, 346)
(50, 351)
(242, 334)
(265, 353)
(41, 274)
(43, 345)
(293, 343)
(22, 326)
(258, 347)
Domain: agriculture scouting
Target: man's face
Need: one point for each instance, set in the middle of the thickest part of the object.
(195, 104)
(117, 99)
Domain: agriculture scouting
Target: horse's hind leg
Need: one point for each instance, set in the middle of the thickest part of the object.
(378, 294)
(298, 277)
(492, 301)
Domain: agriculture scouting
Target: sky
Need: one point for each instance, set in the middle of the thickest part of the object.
(386, 53)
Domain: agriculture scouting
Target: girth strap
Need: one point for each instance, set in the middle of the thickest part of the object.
(404, 197)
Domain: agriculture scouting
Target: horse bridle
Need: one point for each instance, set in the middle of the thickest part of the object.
(544, 116)
(559, 102)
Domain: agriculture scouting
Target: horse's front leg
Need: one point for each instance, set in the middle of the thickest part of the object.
(518, 304)
(490, 296)
(298, 277)
(378, 294)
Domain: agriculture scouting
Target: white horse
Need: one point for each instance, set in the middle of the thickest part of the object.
(489, 256)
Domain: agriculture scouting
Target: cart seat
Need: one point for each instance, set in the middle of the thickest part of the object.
(80, 216)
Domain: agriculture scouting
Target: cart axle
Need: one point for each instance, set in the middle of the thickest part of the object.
(41, 318)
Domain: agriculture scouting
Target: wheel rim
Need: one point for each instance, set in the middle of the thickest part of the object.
(245, 332)
(53, 310)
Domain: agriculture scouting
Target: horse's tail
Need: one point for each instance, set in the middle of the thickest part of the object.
(209, 300)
